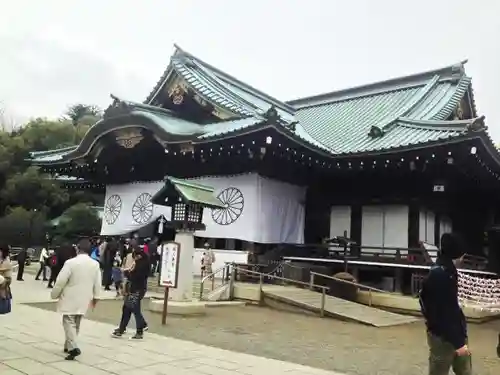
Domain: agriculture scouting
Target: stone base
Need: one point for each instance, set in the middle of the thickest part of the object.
(410, 306)
(178, 308)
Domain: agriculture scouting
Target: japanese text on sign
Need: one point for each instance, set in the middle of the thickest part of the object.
(170, 264)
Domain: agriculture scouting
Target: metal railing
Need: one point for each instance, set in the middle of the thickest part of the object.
(361, 286)
(262, 276)
(218, 278)
(350, 251)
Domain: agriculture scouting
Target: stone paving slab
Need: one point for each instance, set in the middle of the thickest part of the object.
(31, 344)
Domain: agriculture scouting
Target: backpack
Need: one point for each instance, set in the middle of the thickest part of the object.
(95, 253)
(53, 261)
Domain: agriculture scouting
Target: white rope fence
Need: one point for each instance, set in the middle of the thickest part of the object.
(479, 293)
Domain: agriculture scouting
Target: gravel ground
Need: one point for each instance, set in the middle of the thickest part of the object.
(323, 343)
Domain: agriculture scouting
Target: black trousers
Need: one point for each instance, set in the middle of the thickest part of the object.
(132, 306)
(106, 276)
(154, 265)
(42, 270)
(54, 271)
(20, 271)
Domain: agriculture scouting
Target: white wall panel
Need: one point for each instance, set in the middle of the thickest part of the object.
(426, 226)
(396, 227)
(340, 220)
(385, 226)
(372, 226)
(445, 225)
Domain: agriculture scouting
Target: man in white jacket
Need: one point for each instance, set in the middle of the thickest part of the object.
(77, 287)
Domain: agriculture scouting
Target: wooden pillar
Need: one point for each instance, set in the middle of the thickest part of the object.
(355, 272)
(413, 224)
(356, 225)
(437, 229)
(398, 280)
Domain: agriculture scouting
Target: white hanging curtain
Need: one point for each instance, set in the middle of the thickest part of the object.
(256, 209)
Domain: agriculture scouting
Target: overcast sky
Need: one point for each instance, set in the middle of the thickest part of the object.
(54, 53)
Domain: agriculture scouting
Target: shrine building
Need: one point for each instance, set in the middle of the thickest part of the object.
(392, 163)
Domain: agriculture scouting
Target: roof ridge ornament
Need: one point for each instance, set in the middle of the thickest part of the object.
(477, 125)
(116, 108)
(272, 116)
(292, 126)
(375, 132)
(457, 72)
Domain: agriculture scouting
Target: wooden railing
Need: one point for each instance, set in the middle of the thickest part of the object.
(262, 276)
(361, 286)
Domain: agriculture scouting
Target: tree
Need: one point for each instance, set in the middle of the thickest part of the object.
(79, 220)
(12, 148)
(23, 189)
(81, 112)
(41, 134)
(33, 190)
(21, 227)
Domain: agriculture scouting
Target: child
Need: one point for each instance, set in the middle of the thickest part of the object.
(117, 275)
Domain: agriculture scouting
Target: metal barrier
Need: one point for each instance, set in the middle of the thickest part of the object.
(369, 288)
(224, 279)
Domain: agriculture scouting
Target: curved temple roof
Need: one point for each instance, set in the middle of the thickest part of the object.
(395, 114)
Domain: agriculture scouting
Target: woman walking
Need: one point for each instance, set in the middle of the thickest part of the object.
(137, 277)
(5, 280)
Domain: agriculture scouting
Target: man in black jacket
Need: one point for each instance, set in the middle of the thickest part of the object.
(107, 262)
(446, 325)
(21, 261)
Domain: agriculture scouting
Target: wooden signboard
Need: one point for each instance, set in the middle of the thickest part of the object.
(169, 275)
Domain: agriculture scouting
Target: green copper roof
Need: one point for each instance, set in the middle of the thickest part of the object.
(398, 113)
(343, 120)
(220, 88)
(190, 192)
(171, 128)
(227, 127)
(52, 155)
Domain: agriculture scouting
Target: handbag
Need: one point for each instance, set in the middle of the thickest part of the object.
(132, 300)
(5, 306)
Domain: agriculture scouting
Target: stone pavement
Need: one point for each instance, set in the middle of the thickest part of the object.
(31, 343)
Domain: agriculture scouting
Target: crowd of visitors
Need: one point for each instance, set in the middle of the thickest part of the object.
(76, 274)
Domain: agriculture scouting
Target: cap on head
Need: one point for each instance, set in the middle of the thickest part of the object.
(206, 245)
